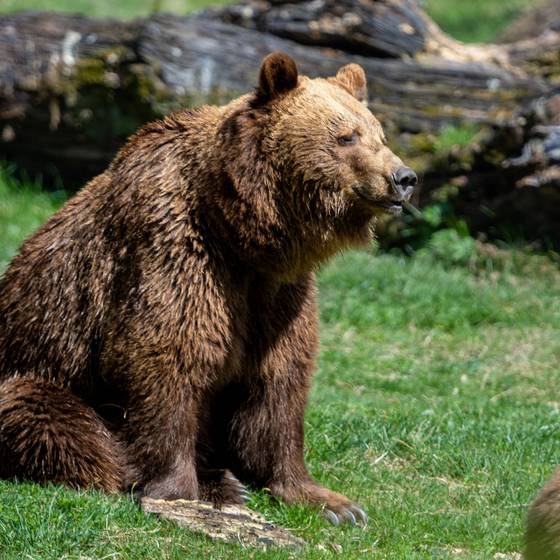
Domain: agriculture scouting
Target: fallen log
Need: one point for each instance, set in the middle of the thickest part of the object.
(72, 88)
(382, 29)
(513, 189)
(217, 59)
(393, 29)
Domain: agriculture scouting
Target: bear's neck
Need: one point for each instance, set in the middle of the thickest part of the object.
(250, 212)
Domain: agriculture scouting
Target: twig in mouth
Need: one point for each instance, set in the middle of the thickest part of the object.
(412, 209)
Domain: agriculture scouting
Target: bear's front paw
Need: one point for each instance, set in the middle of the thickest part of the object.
(336, 507)
(351, 513)
(220, 487)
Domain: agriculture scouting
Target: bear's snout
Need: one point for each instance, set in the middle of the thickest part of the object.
(403, 181)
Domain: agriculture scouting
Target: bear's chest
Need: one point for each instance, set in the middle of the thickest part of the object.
(270, 325)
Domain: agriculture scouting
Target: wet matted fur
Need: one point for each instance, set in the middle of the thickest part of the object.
(160, 330)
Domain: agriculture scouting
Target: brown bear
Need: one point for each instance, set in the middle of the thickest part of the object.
(542, 536)
(159, 332)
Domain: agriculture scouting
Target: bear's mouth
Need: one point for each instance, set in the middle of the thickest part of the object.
(391, 205)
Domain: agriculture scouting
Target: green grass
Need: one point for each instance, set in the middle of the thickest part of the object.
(123, 9)
(469, 20)
(434, 406)
(23, 207)
(452, 136)
(476, 20)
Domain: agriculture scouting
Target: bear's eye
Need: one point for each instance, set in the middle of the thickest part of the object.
(348, 139)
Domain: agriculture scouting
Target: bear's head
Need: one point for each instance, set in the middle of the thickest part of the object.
(307, 166)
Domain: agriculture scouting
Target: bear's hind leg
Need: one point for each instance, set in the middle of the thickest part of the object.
(48, 434)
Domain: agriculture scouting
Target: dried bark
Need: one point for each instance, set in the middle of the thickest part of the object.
(233, 524)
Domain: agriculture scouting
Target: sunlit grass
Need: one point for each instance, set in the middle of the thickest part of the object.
(23, 208)
(434, 406)
(124, 9)
(476, 20)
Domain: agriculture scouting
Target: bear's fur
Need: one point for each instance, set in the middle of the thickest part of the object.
(542, 536)
(159, 331)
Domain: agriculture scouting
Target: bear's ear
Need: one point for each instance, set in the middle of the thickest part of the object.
(278, 75)
(353, 78)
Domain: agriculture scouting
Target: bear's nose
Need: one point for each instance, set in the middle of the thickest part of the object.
(404, 181)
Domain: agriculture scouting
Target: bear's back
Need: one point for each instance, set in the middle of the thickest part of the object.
(58, 290)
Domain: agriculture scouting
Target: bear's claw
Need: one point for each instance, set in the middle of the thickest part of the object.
(353, 514)
(221, 487)
(241, 488)
(331, 516)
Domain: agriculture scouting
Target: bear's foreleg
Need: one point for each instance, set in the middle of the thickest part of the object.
(161, 430)
(267, 429)
(166, 353)
(267, 435)
(164, 444)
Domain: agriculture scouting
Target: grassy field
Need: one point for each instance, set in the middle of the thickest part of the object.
(435, 406)
(476, 20)
(468, 20)
(435, 403)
